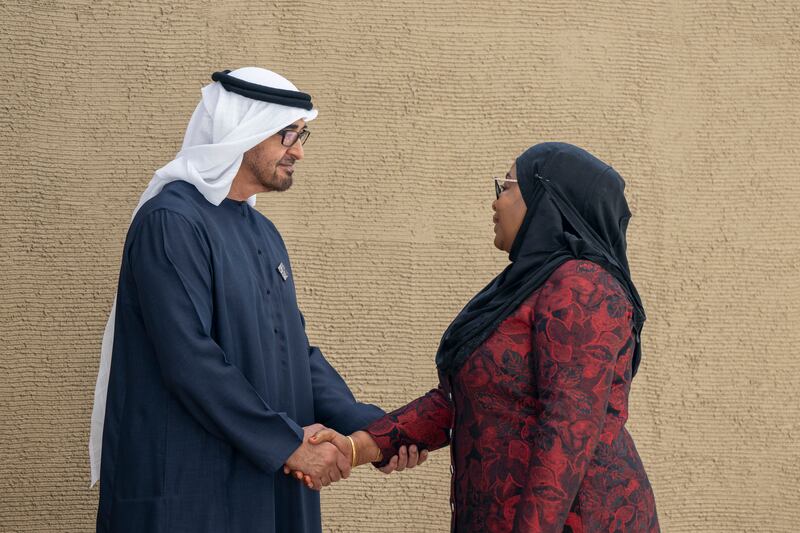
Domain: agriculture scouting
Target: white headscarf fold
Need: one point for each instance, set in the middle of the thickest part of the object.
(223, 127)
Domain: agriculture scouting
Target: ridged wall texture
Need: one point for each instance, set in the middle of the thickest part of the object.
(696, 104)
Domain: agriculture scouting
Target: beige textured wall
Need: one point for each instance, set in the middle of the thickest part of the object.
(697, 104)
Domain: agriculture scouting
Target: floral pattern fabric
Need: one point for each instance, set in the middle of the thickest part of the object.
(535, 417)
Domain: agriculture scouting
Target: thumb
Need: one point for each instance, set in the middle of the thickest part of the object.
(324, 435)
(343, 443)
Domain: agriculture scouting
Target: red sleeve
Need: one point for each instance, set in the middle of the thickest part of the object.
(425, 422)
(581, 323)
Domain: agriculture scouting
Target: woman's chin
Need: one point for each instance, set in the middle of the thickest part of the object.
(498, 242)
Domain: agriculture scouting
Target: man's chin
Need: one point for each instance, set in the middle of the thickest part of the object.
(286, 183)
(278, 184)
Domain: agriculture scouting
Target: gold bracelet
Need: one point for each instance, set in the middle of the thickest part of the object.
(353, 445)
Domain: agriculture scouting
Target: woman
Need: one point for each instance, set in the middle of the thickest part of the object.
(535, 371)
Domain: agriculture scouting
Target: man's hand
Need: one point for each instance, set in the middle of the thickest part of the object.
(322, 463)
(322, 435)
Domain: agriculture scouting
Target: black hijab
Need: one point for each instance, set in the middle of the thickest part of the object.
(576, 209)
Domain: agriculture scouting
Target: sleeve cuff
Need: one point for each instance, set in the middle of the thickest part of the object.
(385, 445)
(280, 447)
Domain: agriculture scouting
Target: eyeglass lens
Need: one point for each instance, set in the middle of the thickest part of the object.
(291, 136)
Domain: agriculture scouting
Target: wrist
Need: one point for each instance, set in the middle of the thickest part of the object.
(368, 451)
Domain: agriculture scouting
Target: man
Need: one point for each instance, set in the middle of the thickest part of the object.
(213, 388)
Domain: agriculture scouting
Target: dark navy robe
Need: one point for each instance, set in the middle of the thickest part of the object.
(212, 377)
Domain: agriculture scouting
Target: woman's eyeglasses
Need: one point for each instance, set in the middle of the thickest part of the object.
(498, 185)
(289, 137)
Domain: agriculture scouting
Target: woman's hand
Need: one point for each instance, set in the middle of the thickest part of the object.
(405, 459)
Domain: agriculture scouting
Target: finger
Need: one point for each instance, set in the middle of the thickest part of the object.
(389, 467)
(343, 444)
(316, 484)
(413, 456)
(325, 480)
(298, 474)
(286, 469)
(323, 435)
(393, 463)
(402, 462)
(308, 431)
(422, 456)
(343, 465)
(308, 481)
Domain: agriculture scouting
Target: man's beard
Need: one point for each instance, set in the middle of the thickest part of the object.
(271, 176)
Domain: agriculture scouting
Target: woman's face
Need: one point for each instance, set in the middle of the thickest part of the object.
(509, 212)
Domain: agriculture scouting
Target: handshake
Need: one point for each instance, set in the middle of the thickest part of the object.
(326, 456)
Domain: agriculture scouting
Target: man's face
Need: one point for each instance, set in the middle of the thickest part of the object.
(272, 164)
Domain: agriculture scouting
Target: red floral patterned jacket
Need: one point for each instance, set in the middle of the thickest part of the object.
(535, 417)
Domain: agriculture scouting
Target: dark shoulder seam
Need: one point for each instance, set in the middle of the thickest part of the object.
(171, 211)
(195, 227)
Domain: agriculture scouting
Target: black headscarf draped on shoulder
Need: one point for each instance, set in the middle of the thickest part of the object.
(576, 209)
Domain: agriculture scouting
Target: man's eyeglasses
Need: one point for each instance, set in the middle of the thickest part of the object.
(498, 187)
(289, 137)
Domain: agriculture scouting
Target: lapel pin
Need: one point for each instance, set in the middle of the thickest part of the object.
(283, 272)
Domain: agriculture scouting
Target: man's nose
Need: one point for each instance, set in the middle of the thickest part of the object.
(296, 150)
